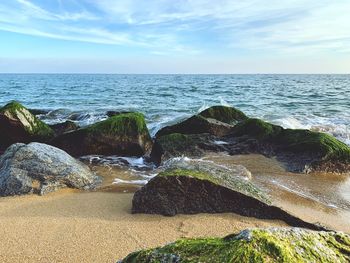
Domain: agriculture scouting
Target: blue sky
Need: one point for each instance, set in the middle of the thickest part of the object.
(183, 36)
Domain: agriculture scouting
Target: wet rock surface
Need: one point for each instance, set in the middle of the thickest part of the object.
(205, 188)
(299, 150)
(124, 134)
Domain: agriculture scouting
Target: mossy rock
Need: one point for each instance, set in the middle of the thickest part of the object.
(123, 134)
(300, 149)
(17, 124)
(253, 245)
(191, 191)
(225, 114)
(216, 120)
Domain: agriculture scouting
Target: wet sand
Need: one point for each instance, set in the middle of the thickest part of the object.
(73, 226)
(318, 198)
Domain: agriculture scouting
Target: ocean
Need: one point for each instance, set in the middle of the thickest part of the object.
(318, 102)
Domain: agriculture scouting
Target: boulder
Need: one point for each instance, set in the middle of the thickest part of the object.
(124, 134)
(17, 124)
(67, 126)
(112, 113)
(41, 168)
(206, 188)
(300, 150)
(177, 144)
(217, 120)
(253, 245)
(38, 111)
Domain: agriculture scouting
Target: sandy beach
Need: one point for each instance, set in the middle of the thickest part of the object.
(72, 226)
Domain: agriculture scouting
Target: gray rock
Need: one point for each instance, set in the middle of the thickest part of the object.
(40, 168)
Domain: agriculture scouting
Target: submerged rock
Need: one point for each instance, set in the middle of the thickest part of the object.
(17, 124)
(300, 150)
(124, 134)
(41, 168)
(67, 126)
(253, 245)
(207, 188)
(217, 120)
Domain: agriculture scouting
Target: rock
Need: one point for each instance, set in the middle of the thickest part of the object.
(41, 168)
(224, 114)
(38, 111)
(177, 144)
(217, 120)
(17, 124)
(253, 245)
(300, 150)
(112, 113)
(124, 134)
(212, 189)
(67, 126)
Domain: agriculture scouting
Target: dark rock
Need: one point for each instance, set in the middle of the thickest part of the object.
(38, 111)
(112, 113)
(217, 120)
(177, 144)
(300, 150)
(67, 126)
(17, 124)
(41, 168)
(188, 191)
(253, 245)
(124, 134)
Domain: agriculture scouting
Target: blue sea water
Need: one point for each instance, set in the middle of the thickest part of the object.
(319, 102)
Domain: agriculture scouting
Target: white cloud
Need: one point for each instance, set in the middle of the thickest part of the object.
(187, 26)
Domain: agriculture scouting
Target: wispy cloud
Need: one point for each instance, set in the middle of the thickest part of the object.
(188, 26)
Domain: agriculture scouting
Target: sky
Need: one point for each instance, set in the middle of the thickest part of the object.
(182, 36)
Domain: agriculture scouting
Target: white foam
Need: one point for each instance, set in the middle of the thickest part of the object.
(135, 182)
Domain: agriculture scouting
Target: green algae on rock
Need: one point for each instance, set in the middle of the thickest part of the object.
(191, 191)
(123, 134)
(287, 245)
(301, 149)
(216, 120)
(229, 115)
(17, 124)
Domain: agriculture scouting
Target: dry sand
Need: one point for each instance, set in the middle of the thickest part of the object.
(71, 226)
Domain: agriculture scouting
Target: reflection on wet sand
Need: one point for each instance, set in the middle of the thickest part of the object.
(323, 198)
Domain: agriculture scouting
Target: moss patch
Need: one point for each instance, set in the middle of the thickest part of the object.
(256, 245)
(294, 140)
(31, 123)
(122, 124)
(257, 128)
(225, 114)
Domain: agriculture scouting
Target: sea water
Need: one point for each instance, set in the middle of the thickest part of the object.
(319, 102)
